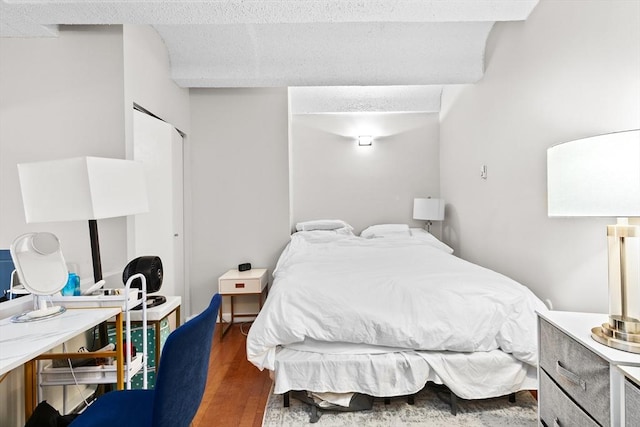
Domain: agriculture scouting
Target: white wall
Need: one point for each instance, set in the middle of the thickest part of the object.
(147, 83)
(147, 79)
(239, 188)
(59, 97)
(571, 70)
(73, 96)
(333, 177)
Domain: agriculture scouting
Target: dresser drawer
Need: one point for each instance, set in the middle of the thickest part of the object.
(558, 410)
(582, 374)
(240, 286)
(631, 403)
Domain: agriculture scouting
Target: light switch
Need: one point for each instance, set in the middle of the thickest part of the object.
(483, 172)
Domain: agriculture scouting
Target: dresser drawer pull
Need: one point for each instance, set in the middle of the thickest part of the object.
(570, 376)
(556, 422)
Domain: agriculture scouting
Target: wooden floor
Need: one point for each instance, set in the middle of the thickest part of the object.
(237, 391)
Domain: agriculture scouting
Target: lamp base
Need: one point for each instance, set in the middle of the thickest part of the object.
(619, 334)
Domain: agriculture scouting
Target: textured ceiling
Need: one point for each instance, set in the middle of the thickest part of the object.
(243, 43)
(368, 99)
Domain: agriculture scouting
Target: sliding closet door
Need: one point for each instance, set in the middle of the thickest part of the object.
(159, 146)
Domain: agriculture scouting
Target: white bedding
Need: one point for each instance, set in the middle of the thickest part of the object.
(400, 293)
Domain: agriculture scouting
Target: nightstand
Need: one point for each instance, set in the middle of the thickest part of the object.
(234, 283)
(580, 380)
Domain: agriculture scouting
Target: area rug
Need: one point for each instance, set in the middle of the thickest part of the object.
(430, 409)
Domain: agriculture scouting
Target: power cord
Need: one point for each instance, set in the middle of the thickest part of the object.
(75, 380)
(242, 328)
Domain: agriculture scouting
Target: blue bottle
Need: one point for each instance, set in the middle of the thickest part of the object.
(73, 285)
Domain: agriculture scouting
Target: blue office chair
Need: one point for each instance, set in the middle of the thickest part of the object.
(180, 383)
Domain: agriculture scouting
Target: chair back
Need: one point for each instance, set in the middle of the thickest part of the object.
(182, 374)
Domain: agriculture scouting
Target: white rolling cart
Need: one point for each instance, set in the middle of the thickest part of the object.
(103, 374)
(157, 317)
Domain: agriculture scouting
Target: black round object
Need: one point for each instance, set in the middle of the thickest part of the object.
(150, 267)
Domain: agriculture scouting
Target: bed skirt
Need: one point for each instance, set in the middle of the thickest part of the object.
(478, 375)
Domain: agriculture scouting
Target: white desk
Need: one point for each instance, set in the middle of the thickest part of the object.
(23, 343)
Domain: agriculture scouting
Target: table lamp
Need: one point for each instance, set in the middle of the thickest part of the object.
(599, 176)
(428, 210)
(83, 188)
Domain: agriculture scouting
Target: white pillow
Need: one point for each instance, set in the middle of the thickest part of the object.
(382, 230)
(322, 224)
(424, 235)
(323, 236)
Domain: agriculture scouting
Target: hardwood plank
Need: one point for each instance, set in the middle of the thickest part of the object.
(236, 391)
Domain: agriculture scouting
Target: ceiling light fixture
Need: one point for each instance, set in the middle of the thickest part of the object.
(365, 141)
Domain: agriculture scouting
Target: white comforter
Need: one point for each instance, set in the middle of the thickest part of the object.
(397, 293)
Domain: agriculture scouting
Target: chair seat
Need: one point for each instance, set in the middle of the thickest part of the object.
(119, 408)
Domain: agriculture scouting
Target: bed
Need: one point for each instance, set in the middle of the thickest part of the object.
(388, 311)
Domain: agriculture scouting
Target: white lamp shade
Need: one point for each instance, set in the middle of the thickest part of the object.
(428, 209)
(596, 176)
(82, 188)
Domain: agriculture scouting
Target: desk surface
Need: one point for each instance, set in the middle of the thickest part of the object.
(21, 342)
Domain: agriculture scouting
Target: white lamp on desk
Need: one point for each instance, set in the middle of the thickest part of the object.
(83, 188)
(599, 176)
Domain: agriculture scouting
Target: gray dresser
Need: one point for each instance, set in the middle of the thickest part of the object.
(631, 394)
(580, 381)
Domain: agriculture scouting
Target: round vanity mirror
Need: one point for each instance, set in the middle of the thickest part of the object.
(42, 271)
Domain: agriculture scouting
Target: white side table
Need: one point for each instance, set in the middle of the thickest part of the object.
(234, 283)
(155, 316)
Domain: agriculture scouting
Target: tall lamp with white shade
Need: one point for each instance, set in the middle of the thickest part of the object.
(428, 210)
(599, 176)
(83, 188)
